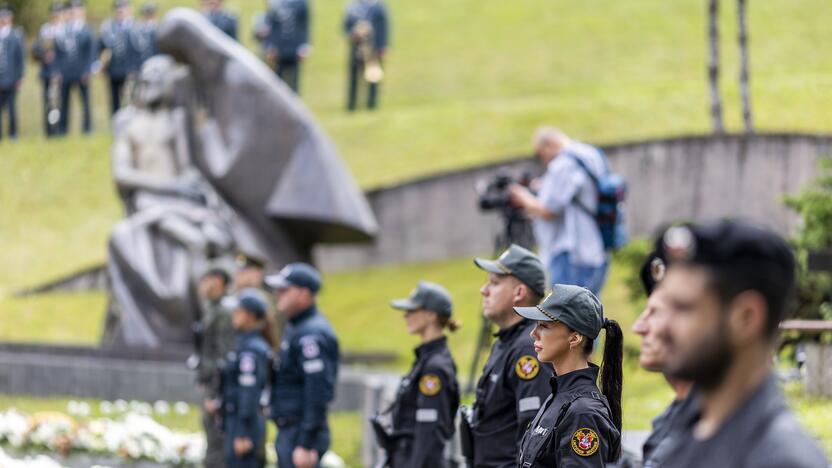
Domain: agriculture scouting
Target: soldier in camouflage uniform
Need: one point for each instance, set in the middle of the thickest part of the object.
(217, 339)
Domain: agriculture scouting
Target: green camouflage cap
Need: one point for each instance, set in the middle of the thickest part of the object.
(574, 306)
(427, 295)
(520, 263)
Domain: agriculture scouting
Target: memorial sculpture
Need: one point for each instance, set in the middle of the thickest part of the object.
(215, 157)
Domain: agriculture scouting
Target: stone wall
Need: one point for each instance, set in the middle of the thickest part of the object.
(694, 178)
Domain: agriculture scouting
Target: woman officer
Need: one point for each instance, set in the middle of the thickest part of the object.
(428, 397)
(243, 380)
(579, 425)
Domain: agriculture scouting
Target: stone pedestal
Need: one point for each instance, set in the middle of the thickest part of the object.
(819, 369)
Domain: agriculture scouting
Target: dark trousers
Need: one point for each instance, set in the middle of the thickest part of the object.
(116, 88)
(84, 91)
(356, 74)
(214, 450)
(256, 458)
(287, 437)
(8, 97)
(289, 71)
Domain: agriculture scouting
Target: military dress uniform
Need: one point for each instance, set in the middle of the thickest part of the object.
(574, 427)
(225, 21)
(304, 385)
(218, 339)
(374, 14)
(115, 37)
(12, 61)
(245, 376)
(288, 22)
(75, 52)
(513, 384)
(144, 40)
(43, 51)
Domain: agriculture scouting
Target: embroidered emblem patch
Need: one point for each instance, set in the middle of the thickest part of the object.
(527, 367)
(430, 385)
(585, 442)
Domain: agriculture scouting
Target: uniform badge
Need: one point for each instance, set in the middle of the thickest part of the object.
(430, 385)
(247, 363)
(585, 442)
(527, 367)
(310, 348)
(679, 243)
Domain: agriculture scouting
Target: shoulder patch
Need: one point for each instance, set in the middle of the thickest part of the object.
(527, 367)
(430, 385)
(585, 442)
(247, 364)
(310, 348)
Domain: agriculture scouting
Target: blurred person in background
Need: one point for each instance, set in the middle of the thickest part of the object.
(76, 53)
(567, 233)
(12, 62)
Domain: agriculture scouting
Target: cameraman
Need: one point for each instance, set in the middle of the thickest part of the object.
(567, 233)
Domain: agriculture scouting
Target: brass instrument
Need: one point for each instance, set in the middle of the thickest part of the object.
(363, 35)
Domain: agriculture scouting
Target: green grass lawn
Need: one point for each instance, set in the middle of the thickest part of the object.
(467, 82)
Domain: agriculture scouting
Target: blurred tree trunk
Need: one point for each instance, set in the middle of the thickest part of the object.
(713, 65)
(745, 91)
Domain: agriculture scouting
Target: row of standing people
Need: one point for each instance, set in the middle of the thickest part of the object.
(252, 367)
(70, 53)
(716, 294)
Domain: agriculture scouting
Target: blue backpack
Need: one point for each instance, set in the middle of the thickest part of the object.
(612, 193)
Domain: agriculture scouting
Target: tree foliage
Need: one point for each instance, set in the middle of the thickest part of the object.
(814, 205)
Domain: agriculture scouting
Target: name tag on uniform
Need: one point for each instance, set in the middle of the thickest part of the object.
(529, 404)
(427, 415)
(247, 380)
(313, 366)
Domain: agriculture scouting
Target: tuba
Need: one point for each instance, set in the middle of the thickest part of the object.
(363, 34)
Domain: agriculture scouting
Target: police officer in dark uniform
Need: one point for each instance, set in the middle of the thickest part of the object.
(12, 61)
(652, 355)
(727, 288)
(288, 40)
(428, 397)
(144, 34)
(305, 377)
(216, 340)
(578, 425)
(220, 17)
(75, 53)
(120, 56)
(513, 383)
(366, 26)
(43, 51)
(244, 378)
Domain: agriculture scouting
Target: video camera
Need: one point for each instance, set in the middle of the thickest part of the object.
(493, 195)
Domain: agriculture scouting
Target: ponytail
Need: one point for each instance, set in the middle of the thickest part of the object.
(611, 369)
(446, 321)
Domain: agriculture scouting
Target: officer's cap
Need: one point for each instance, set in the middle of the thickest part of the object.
(520, 263)
(56, 7)
(120, 3)
(301, 275)
(75, 3)
(251, 300)
(149, 8)
(652, 272)
(728, 244)
(574, 306)
(6, 10)
(249, 261)
(428, 296)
